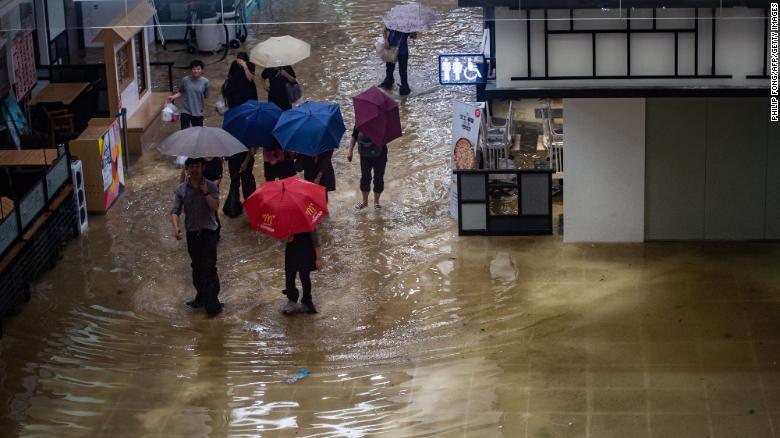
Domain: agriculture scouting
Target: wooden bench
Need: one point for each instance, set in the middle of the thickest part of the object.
(145, 121)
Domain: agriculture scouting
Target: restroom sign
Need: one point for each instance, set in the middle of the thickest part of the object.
(462, 69)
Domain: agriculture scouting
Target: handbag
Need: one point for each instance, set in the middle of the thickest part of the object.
(222, 105)
(389, 53)
(294, 92)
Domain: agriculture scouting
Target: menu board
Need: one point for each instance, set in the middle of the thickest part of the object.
(23, 58)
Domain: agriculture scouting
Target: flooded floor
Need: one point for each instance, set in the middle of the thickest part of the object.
(420, 333)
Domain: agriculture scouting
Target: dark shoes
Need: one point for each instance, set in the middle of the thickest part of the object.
(308, 307)
(404, 91)
(218, 311)
(195, 304)
(386, 85)
(291, 295)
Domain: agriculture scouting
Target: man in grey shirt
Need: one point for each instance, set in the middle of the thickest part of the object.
(198, 198)
(195, 89)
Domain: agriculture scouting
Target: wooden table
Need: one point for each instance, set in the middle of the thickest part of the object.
(27, 157)
(65, 93)
(6, 207)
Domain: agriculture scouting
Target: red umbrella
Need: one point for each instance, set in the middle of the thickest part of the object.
(376, 116)
(285, 207)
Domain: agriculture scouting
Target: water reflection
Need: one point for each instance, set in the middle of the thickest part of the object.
(107, 347)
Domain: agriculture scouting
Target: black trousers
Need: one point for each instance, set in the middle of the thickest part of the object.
(202, 246)
(245, 180)
(292, 292)
(187, 120)
(377, 165)
(280, 170)
(403, 63)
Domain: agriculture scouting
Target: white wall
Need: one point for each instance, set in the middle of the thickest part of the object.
(739, 45)
(605, 170)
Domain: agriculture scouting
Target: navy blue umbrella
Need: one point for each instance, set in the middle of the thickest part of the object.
(252, 122)
(310, 129)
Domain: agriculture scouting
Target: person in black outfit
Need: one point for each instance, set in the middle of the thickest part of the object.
(275, 80)
(318, 169)
(398, 39)
(301, 256)
(372, 157)
(198, 198)
(240, 83)
(277, 164)
(237, 89)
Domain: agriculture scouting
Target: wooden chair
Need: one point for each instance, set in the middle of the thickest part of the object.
(61, 126)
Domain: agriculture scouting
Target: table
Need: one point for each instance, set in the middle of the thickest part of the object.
(65, 93)
(6, 207)
(27, 157)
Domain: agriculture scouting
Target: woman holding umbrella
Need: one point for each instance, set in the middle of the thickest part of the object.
(277, 54)
(275, 80)
(313, 130)
(239, 85)
(290, 209)
(401, 23)
(377, 122)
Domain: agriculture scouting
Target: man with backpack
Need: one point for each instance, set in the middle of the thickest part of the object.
(373, 157)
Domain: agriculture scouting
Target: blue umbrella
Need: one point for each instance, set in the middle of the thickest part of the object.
(311, 128)
(252, 122)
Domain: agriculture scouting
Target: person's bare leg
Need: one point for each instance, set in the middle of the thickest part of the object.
(365, 197)
(376, 198)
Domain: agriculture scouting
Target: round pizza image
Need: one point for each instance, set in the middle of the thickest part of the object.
(464, 154)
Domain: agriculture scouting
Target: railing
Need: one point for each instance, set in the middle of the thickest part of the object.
(504, 202)
(28, 207)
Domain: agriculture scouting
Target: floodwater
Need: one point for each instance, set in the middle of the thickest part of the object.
(420, 333)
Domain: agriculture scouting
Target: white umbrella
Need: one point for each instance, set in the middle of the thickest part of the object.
(201, 141)
(280, 51)
(411, 17)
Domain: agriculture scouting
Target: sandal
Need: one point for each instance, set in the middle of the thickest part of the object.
(359, 206)
(377, 206)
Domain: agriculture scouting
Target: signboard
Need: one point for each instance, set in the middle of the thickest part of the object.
(462, 69)
(23, 59)
(466, 124)
(112, 168)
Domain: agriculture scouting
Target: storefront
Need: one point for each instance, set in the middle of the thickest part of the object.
(661, 105)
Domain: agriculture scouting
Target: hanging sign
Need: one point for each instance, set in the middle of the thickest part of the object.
(462, 69)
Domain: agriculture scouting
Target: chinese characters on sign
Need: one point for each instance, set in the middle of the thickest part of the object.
(23, 58)
(462, 69)
(774, 49)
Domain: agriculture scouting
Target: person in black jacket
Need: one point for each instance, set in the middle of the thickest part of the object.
(275, 80)
(318, 169)
(301, 256)
(240, 83)
(237, 89)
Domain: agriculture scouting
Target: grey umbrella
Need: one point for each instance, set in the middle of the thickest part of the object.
(201, 141)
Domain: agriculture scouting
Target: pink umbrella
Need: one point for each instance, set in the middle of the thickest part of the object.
(377, 116)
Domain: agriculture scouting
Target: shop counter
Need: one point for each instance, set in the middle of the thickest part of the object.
(99, 148)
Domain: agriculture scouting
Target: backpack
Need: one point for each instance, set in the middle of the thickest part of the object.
(367, 148)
